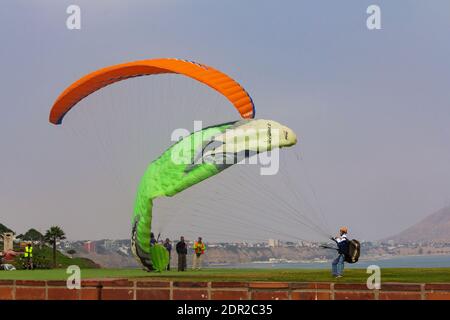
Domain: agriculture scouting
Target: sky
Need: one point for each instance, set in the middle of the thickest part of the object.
(370, 107)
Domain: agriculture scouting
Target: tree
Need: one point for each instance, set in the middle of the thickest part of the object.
(4, 229)
(32, 235)
(52, 235)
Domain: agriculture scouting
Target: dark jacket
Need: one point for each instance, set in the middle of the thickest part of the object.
(181, 248)
(343, 247)
(168, 246)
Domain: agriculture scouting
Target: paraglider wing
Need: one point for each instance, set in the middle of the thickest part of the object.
(178, 168)
(96, 80)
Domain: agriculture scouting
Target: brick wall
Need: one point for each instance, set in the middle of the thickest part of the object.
(124, 289)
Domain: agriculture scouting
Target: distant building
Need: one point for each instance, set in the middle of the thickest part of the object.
(124, 250)
(8, 240)
(290, 244)
(108, 244)
(274, 243)
(89, 246)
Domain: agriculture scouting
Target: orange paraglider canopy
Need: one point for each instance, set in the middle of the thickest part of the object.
(103, 77)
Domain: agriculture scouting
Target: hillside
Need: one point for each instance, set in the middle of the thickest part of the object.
(434, 228)
(110, 259)
(44, 256)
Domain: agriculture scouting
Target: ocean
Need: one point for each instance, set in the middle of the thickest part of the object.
(424, 261)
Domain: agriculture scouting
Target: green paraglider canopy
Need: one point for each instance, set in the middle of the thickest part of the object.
(160, 257)
(191, 160)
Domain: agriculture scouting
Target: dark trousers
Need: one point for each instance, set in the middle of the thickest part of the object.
(168, 265)
(181, 261)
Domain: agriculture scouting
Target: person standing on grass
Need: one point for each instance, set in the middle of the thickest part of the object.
(199, 251)
(152, 239)
(29, 256)
(182, 252)
(168, 247)
(337, 267)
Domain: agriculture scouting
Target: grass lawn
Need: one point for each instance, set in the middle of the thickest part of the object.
(297, 275)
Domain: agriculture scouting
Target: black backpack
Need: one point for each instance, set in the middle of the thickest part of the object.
(353, 251)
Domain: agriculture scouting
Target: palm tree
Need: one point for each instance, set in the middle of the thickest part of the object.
(52, 235)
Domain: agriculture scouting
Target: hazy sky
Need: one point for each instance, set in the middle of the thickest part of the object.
(371, 108)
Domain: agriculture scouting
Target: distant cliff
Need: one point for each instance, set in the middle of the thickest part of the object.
(219, 255)
(245, 255)
(434, 228)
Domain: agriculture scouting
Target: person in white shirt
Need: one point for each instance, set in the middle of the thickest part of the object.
(337, 267)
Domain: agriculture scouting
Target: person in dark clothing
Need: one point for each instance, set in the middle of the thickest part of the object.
(337, 269)
(168, 247)
(182, 252)
(152, 239)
